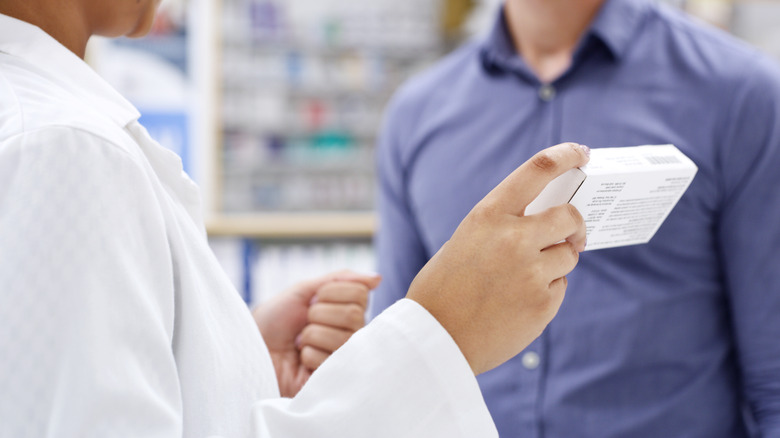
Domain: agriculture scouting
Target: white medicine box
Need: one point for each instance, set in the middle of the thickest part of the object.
(624, 194)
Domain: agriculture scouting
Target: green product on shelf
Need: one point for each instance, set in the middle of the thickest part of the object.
(330, 140)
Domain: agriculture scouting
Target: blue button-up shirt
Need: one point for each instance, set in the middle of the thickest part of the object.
(677, 337)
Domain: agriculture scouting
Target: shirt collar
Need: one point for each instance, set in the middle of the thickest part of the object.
(498, 50)
(614, 25)
(29, 42)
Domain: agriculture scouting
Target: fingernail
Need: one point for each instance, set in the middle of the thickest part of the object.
(298, 341)
(585, 149)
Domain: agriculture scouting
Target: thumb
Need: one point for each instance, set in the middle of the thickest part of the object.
(370, 280)
(523, 185)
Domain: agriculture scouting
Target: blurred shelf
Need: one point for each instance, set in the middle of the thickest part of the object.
(266, 45)
(358, 130)
(293, 225)
(296, 96)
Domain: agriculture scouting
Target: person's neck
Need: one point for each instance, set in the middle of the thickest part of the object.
(61, 19)
(546, 32)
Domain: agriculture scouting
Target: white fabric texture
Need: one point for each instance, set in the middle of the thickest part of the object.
(115, 317)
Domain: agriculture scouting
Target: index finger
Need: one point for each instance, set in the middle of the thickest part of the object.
(343, 292)
(307, 289)
(523, 185)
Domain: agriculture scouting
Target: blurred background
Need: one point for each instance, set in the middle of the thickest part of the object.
(274, 108)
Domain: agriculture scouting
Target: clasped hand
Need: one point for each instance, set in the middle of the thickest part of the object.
(305, 324)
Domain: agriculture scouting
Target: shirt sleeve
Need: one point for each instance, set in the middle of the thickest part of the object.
(749, 238)
(400, 376)
(86, 292)
(399, 248)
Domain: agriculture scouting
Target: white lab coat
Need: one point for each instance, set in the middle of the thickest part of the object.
(115, 317)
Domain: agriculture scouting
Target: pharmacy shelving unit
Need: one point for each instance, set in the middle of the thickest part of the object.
(294, 92)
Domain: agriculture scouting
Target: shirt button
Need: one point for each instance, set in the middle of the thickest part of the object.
(547, 92)
(531, 360)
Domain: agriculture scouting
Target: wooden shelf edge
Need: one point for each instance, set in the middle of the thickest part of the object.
(293, 225)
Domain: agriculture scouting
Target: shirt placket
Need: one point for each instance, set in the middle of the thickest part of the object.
(534, 359)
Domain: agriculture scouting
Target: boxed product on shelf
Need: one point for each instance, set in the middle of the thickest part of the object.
(260, 270)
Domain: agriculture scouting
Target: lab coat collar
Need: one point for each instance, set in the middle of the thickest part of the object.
(31, 43)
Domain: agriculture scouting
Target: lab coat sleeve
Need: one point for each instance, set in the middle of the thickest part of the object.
(749, 238)
(86, 301)
(400, 376)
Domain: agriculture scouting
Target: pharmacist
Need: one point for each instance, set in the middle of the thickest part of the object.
(116, 320)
